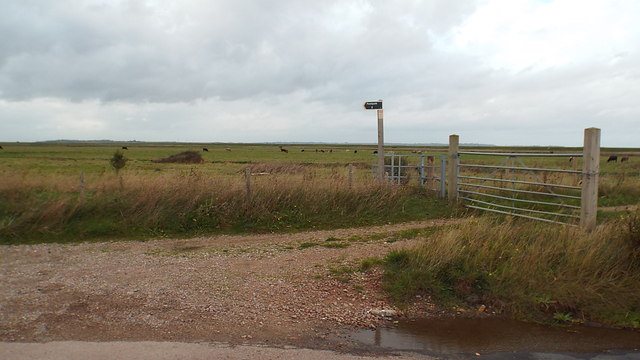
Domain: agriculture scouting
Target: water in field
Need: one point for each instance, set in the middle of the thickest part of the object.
(504, 339)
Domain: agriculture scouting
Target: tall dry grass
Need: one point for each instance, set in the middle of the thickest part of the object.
(529, 269)
(58, 208)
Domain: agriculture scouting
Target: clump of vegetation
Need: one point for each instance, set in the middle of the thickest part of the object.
(532, 270)
(370, 263)
(186, 157)
(118, 161)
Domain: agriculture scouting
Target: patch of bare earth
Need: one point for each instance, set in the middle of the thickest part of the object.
(263, 289)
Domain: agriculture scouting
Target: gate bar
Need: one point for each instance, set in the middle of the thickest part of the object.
(520, 200)
(520, 191)
(521, 182)
(520, 215)
(520, 168)
(518, 154)
(521, 209)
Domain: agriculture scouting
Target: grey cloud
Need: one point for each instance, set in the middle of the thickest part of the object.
(234, 49)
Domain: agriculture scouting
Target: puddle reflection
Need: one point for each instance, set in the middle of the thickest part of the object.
(459, 335)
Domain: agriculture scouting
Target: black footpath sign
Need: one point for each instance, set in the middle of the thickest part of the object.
(373, 105)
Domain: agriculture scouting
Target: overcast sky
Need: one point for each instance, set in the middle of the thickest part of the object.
(505, 72)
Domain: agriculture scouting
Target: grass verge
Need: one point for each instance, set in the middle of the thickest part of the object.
(148, 206)
(531, 270)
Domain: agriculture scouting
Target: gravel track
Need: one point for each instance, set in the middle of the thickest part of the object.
(259, 289)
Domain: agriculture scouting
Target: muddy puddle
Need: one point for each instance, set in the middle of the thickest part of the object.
(485, 336)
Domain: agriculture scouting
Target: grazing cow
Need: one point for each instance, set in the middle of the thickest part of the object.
(125, 148)
(227, 149)
(355, 151)
(283, 150)
(321, 150)
(624, 158)
(330, 150)
(1, 148)
(613, 158)
(375, 152)
(205, 149)
(302, 150)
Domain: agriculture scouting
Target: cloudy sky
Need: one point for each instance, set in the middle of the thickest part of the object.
(506, 72)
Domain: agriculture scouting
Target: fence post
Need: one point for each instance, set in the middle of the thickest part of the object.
(452, 187)
(590, 174)
(82, 193)
(422, 179)
(443, 176)
(380, 147)
(247, 177)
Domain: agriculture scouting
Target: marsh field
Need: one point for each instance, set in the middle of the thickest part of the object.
(67, 192)
(71, 193)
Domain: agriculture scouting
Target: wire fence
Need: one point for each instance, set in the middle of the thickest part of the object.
(428, 170)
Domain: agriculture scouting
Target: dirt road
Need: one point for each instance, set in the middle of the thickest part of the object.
(269, 290)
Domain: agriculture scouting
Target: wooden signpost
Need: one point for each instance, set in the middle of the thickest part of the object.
(377, 105)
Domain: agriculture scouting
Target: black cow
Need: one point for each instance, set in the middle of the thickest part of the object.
(205, 149)
(125, 148)
(625, 158)
(613, 158)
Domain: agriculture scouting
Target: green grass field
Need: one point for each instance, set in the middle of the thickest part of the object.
(70, 192)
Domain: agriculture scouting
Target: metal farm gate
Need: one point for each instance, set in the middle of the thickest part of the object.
(543, 191)
(550, 189)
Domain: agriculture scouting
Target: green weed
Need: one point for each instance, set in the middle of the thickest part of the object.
(336, 245)
(369, 263)
(306, 245)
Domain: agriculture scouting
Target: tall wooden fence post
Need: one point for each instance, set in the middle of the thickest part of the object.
(380, 147)
(452, 185)
(247, 176)
(590, 174)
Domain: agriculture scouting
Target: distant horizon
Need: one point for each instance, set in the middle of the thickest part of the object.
(107, 141)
